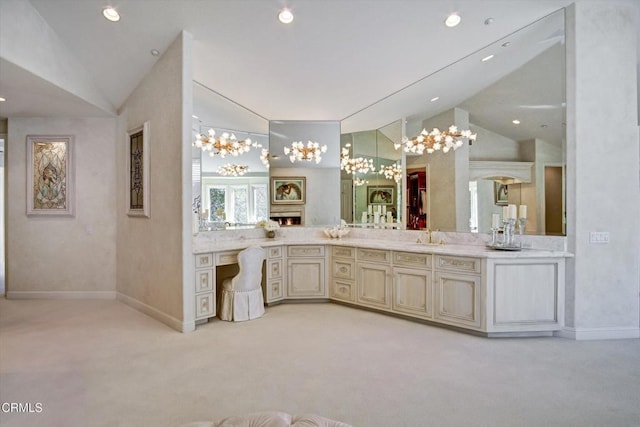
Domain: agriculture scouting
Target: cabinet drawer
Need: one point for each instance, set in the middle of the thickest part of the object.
(460, 264)
(275, 252)
(225, 258)
(457, 298)
(373, 255)
(204, 260)
(305, 251)
(343, 269)
(204, 280)
(274, 268)
(205, 305)
(274, 290)
(343, 252)
(343, 290)
(412, 259)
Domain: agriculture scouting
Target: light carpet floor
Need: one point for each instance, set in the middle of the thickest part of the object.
(101, 363)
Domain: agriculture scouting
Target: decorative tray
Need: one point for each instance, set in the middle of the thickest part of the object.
(505, 248)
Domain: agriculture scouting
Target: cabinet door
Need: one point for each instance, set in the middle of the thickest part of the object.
(412, 291)
(373, 285)
(305, 278)
(457, 298)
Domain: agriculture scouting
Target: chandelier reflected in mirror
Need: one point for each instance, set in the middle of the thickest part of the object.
(391, 172)
(233, 170)
(310, 152)
(227, 144)
(355, 165)
(436, 140)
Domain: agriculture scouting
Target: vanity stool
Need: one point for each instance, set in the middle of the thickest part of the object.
(241, 297)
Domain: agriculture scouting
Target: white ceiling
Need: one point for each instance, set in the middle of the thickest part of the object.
(337, 57)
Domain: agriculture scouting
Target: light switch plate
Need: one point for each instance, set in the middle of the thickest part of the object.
(599, 237)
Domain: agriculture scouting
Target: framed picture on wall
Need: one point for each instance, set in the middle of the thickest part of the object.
(50, 175)
(288, 190)
(501, 193)
(138, 171)
(381, 195)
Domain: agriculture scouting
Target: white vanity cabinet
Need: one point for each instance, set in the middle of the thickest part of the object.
(458, 292)
(412, 285)
(374, 278)
(306, 273)
(524, 295)
(343, 273)
(497, 294)
(274, 281)
(205, 296)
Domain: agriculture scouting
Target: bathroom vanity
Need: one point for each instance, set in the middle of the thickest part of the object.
(467, 287)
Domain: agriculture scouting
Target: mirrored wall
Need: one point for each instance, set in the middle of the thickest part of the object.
(230, 191)
(371, 181)
(514, 102)
(512, 95)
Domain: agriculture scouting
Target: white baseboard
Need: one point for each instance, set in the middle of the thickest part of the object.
(61, 295)
(599, 333)
(153, 312)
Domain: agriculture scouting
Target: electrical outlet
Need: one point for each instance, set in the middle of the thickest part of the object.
(599, 237)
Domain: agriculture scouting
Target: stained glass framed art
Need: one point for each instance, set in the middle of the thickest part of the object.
(138, 171)
(50, 175)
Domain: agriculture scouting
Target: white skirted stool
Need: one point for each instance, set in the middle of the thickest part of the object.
(241, 297)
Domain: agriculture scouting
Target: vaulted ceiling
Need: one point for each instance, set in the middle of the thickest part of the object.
(334, 60)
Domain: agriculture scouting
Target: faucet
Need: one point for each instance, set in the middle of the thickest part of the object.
(429, 241)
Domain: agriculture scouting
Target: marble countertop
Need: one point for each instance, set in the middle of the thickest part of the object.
(477, 251)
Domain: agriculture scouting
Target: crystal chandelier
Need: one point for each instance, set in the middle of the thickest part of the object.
(391, 172)
(225, 144)
(358, 182)
(298, 151)
(233, 170)
(359, 164)
(436, 140)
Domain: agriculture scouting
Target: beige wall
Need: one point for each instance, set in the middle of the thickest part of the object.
(150, 250)
(55, 256)
(602, 184)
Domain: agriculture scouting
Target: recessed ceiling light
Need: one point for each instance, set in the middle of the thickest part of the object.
(435, 98)
(486, 58)
(194, 116)
(505, 44)
(111, 14)
(2, 99)
(452, 20)
(155, 52)
(515, 121)
(285, 16)
(544, 126)
(488, 21)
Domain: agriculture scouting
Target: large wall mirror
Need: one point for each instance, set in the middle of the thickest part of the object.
(230, 191)
(371, 181)
(512, 95)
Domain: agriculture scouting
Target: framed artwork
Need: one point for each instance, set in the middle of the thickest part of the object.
(501, 193)
(288, 190)
(50, 175)
(138, 171)
(381, 195)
